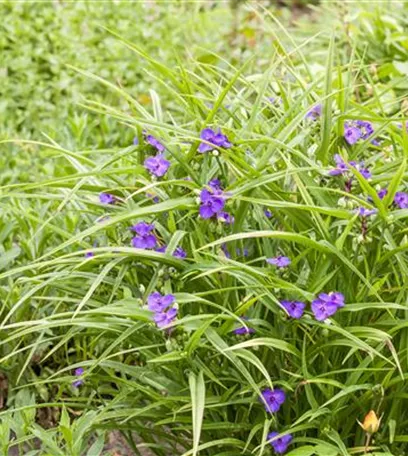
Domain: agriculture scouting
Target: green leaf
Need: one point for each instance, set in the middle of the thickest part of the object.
(197, 391)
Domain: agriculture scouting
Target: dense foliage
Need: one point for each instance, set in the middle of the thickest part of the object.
(209, 252)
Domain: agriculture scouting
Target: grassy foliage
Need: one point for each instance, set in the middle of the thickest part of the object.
(196, 389)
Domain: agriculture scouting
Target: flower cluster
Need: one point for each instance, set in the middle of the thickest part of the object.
(79, 372)
(323, 307)
(145, 239)
(273, 400)
(357, 130)
(163, 307)
(343, 167)
(400, 198)
(156, 165)
(213, 139)
(327, 304)
(212, 202)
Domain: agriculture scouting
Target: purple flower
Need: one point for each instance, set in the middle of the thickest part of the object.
(268, 213)
(243, 330)
(366, 128)
(279, 261)
(273, 399)
(135, 141)
(225, 250)
(341, 166)
(327, 305)
(214, 138)
(157, 165)
(143, 228)
(226, 218)
(215, 184)
(165, 318)
(153, 197)
(295, 309)
(158, 303)
(106, 198)
(161, 305)
(401, 200)
(365, 172)
(381, 194)
(280, 444)
(212, 202)
(144, 238)
(364, 212)
(155, 143)
(89, 254)
(315, 112)
(360, 129)
(351, 133)
(180, 253)
(78, 373)
(245, 251)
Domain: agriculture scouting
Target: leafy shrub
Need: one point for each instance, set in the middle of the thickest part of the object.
(280, 252)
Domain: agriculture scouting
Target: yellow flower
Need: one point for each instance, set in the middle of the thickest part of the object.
(371, 422)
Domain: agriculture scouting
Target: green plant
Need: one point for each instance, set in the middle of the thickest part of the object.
(74, 290)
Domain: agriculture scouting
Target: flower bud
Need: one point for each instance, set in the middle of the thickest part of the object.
(342, 202)
(360, 239)
(371, 422)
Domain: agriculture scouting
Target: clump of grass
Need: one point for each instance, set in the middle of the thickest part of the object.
(241, 293)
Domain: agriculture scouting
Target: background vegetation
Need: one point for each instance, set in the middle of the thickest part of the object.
(78, 82)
